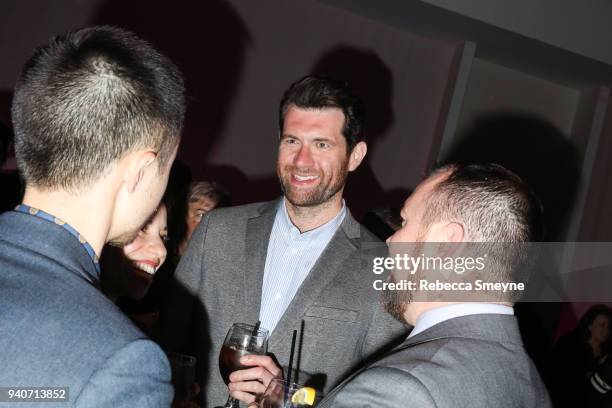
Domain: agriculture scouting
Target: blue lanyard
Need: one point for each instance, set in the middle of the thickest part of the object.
(22, 208)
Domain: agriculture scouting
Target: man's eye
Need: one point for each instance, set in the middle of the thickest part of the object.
(164, 238)
(322, 145)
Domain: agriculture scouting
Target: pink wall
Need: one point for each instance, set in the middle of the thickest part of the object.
(238, 57)
(597, 217)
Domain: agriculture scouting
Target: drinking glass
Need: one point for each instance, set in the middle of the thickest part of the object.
(183, 375)
(241, 339)
(281, 394)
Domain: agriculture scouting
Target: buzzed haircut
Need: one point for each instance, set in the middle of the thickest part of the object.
(497, 209)
(491, 201)
(89, 97)
(313, 92)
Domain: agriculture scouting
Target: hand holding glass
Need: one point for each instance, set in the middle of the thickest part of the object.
(241, 339)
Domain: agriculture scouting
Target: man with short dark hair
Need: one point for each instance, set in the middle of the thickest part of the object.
(291, 263)
(461, 353)
(97, 115)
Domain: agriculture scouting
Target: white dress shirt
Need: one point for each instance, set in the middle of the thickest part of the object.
(443, 313)
(289, 259)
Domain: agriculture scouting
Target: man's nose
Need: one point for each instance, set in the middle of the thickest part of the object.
(303, 157)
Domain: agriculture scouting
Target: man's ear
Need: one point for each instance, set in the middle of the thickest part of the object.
(453, 232)
(140, 161)
(357, 155)
(449, 237)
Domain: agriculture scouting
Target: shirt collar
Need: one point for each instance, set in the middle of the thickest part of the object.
(26, 209)
(288, 227)
(443, 313)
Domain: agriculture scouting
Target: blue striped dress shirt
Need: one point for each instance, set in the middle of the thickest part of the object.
(290, 257)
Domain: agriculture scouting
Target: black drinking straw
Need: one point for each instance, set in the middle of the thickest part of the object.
(254, 336)
(256, 329)
(290, 363)
(298, 358)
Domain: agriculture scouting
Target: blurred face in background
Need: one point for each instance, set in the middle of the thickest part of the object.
(600, 329)
(196, 210)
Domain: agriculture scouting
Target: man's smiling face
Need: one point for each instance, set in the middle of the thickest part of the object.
(313, 161)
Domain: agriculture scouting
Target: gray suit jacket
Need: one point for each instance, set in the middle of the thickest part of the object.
(58, 330)
(220, 281)
(475, 361)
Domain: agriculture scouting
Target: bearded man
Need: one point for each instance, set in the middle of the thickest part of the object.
(291, 263)
(465, 349)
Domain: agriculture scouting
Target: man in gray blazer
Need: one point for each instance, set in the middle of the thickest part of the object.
(97, 115)
(458, 354)
(292, 263)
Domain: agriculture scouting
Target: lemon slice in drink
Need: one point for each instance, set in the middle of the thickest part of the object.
(304, 396)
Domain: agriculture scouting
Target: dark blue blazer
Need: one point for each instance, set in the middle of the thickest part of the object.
(57, 328)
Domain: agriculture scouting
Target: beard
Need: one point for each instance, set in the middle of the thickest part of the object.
(395, 302)
(316, 195)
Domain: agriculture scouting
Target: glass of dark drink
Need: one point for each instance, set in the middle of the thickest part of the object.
(241, 339)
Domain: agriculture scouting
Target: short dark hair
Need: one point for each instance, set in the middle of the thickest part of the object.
(86, 99)
(492, 202)
(589, 317)
(497, 209)
(313, 92)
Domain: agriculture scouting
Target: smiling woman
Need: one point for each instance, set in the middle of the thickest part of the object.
(147, 252)
(129, 271)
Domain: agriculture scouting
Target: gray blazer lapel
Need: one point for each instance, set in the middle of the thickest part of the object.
(329, 264)
(258, 233)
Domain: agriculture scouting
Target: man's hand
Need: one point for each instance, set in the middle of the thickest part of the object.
(246, 384)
